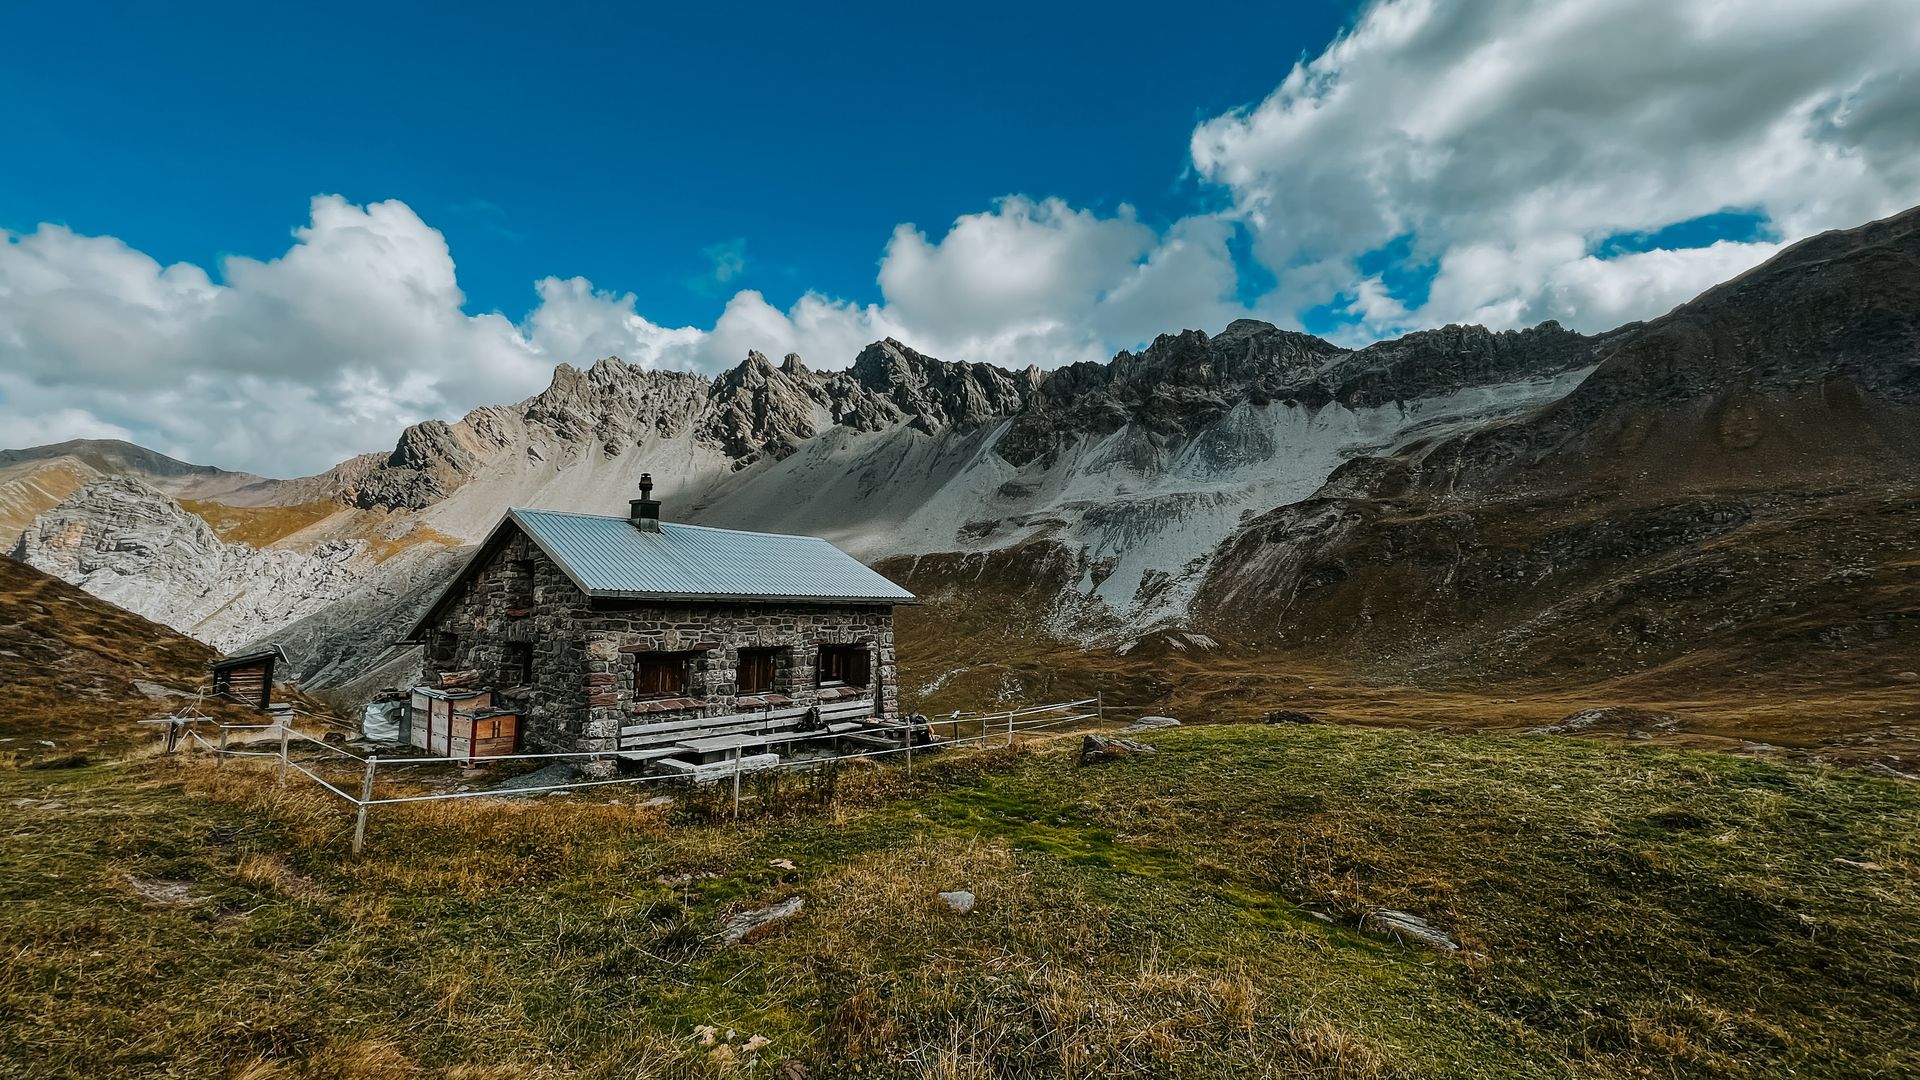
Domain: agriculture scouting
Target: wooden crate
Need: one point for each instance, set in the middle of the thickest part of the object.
(461, 724)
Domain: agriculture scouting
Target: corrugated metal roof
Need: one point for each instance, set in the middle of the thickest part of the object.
(609, 557)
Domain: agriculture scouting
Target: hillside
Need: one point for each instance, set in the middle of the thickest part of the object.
(80, 672)
(1199, 912)
(1736, 486)
(34, 479)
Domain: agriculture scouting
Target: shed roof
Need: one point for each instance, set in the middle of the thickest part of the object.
(225, 663)
(608, 558)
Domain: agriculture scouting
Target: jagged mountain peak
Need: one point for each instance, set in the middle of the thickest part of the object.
(929, 394)
(756, 410)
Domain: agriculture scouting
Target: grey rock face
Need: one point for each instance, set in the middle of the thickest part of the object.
(1184, 382)
(602, 410)
(129, 544)
(760, 411)
(901, 385)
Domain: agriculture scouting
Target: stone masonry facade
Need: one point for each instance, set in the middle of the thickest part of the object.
(519, 613)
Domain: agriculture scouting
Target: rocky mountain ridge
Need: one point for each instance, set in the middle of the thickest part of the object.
(760, 411)
(1259, 486)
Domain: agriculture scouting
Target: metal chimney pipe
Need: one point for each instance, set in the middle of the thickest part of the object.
(643, 513)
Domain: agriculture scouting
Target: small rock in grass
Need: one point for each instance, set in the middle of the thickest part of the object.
(1148, 723)
(736, 929)
(164, 891)
(1627, 720)
(782, 864)
(1290, 716)
(1098, 748)
(1401, 925)
(960, 900)
(1907, 676)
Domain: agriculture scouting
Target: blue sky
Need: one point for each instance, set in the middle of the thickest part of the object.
(214, 216)
(635, 146)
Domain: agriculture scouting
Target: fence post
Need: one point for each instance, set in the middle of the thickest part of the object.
(220, 754)
(1100, 707)
(283, 751)
(736, 782)
(173, 735)
(366, 796)
(1009, 729)
(909, 723)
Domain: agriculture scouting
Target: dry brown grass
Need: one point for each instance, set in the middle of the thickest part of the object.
(1148, 918)
(260, 526)
(69, 662)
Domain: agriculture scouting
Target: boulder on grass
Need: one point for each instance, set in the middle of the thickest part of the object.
(1095, 749)
(1149, 723)
(1290, 716)
(737, 929)
(1406, 927)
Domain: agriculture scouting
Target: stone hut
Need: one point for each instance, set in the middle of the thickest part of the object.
(661, 642)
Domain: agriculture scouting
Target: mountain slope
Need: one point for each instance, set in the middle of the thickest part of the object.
(79, 672)
(1739, 480)
(35, 479)
(134, 546)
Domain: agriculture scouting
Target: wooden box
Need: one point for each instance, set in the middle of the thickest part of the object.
(462, 724)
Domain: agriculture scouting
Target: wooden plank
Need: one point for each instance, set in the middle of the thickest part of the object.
(676, 738)
(654, 754)
(705, 772)
(704, 722)
(719, 743)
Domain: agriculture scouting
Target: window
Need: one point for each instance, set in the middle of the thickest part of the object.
(756, 671)
(657, 675)
(843, 665)
(519, 667)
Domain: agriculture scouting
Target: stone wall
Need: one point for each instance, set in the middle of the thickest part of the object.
(519, 596)
(582, 691)
(715, 634)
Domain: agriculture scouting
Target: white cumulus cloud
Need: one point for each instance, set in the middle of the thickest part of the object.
(1442, 160)
(291, 364)
(1507, 138)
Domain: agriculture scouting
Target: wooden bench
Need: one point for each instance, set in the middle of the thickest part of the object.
(641, 736)
(708, 772)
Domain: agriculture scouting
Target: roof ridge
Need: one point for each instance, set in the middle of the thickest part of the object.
(669, 524)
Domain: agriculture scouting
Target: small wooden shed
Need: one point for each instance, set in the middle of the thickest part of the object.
(460, 723)
(246, 679)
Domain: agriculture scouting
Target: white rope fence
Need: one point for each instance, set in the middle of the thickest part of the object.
(989, 728)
